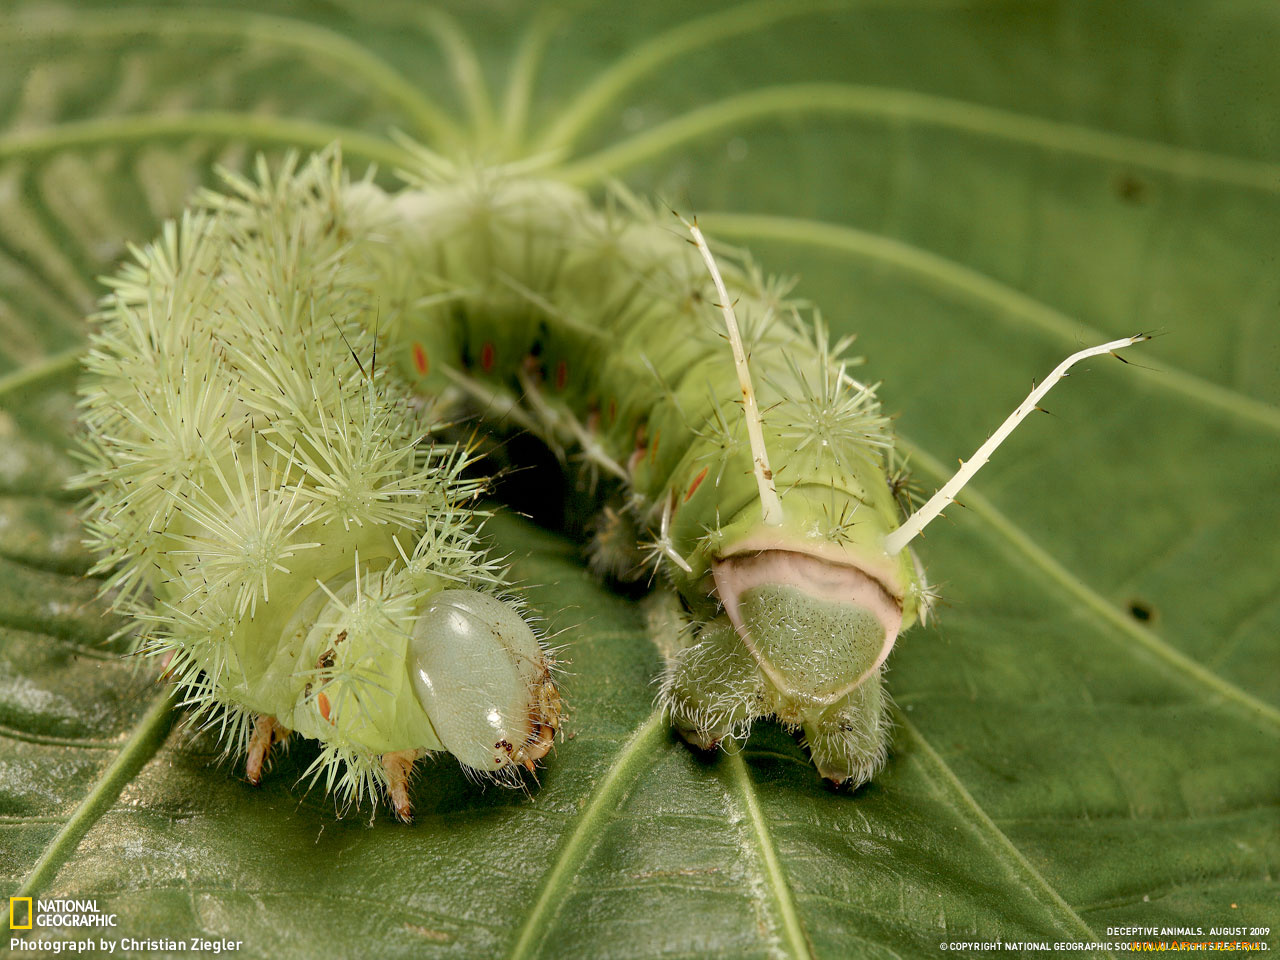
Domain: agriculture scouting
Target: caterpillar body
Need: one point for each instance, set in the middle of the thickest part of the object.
(264, 495)
(280, 524)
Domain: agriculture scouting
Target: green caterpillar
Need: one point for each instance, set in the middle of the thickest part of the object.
(279, 523)
(596, 329)
(278, 528)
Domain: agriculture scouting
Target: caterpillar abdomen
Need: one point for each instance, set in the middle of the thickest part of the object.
(275, 512)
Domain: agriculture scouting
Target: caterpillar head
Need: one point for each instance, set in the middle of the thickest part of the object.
(816, 598)
(819, 613)
(800, 631)
(802, 623)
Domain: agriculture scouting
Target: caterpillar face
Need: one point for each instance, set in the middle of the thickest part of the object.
(780, 601)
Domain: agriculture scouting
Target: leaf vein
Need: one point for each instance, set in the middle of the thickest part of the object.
(257, 127)
(909, 105)
(951, 789)
(608, 790)
(792, 926)
(49, 740)
(326, 47)
(141, 746)
(1006, 300)
(1103, 612)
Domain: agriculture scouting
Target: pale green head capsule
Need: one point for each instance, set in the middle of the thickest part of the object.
(483, 679)
(818, 613)
(801, 637)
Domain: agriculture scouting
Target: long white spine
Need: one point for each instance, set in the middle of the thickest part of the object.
(770, 505)
(897, 539)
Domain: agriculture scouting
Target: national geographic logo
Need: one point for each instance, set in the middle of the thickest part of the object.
(25, 914)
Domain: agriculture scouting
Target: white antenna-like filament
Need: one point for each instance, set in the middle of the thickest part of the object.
(769, 502)
(897, 539)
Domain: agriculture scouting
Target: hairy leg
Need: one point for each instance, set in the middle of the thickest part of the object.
(712, 688)
(266, 733)
(399, 768)
(849, 740)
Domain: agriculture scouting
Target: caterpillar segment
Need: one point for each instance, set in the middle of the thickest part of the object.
(274, 515)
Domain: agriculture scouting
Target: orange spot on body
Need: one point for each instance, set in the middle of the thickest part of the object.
(641, 448)
(533, 367)
(562, 374)
(323, 702)
(486, 357)
(420, 361)
(697, 482)
(653, 448)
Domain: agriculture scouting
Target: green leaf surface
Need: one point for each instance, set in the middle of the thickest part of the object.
(1088, 736)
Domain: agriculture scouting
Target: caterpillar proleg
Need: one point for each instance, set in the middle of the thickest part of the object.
(280, 523)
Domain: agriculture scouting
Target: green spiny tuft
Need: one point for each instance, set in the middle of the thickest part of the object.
(269, 503)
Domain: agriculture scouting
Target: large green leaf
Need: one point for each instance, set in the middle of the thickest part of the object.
(1087, 739)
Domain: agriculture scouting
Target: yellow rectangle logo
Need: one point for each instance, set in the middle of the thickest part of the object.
(13, 921)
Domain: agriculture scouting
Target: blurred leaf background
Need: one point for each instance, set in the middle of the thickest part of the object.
(1088, 736)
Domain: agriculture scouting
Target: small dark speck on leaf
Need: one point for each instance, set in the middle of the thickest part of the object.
(1129, 188)
(1141, 611)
